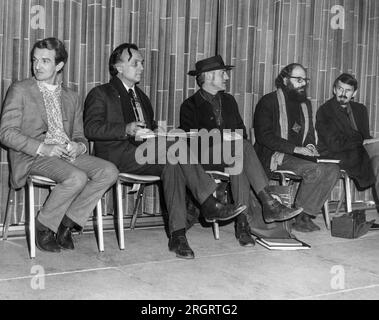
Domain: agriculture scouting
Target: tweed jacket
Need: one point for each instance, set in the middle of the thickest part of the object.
(24, 125)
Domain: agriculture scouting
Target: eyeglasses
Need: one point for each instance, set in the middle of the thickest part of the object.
(300, 79)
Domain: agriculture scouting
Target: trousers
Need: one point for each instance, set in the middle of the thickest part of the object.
(80, 184)
(318, 181)
(176, 177)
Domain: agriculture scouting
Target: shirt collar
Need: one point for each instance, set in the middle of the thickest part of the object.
(208, 96)
(128, 88)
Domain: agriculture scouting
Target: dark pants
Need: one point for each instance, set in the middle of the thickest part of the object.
(251, 175)
(318, 181)
(80, 184)
(175, 178)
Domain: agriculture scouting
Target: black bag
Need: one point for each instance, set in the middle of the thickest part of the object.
(351, 225)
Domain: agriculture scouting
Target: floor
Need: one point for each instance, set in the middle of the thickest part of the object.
(334, 268)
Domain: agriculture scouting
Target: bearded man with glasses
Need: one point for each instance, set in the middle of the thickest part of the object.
(285, 140)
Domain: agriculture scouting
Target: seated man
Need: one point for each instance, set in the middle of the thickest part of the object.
(285, 140)
(114, 113)
(42, 125)
(342, 126)
(211, 108)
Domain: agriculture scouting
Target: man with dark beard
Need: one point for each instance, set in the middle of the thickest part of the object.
(342, 127)
(285, 140)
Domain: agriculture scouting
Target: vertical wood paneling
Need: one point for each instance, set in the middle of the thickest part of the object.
(259, 37)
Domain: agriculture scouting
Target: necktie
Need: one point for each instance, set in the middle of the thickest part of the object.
(136, 106)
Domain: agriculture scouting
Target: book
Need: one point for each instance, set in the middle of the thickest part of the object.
(318, 159)
(369, 141)
(324, 160)
(285, 244)
(372, 147)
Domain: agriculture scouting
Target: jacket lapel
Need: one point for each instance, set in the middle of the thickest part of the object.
(37, 95)
(66, 111)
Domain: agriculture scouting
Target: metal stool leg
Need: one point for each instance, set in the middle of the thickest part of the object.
(99, 220)
(8, 212)
(136, 206)
(32, 230)
(326, 214)
(216, 230)
(348, 194)
(120, 215)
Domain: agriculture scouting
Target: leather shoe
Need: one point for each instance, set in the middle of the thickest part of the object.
(45, 239)
(304, 223)
(64, 237)
(213, 210)
(180, 245)
(243, 232)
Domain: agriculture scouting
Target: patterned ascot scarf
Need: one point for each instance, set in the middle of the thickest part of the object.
(52, 98)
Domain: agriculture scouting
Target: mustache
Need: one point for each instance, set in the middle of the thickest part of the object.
(344, 97)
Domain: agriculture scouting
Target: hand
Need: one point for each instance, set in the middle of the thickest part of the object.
(74, 149)
(53, 150)
(304, 151)
(132, 127)
(313, 149)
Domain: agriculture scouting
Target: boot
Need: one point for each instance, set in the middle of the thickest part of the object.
(64, 234)
(214, 210)
(273, 210)
(45, 238)
(242, 232)
(179, 244)
(303, 223)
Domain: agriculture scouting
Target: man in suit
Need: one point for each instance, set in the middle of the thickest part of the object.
(285, 140)
(114, 114)
(213, 109)
(42, 126)
(342, 126)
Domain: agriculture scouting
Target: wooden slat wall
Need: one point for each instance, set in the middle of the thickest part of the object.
(259, 37)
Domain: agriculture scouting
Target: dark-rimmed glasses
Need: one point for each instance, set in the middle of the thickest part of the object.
(300, 79)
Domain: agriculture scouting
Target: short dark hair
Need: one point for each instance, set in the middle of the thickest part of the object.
(61, 54)
(116, 56)
(285, 72)
(347, 79)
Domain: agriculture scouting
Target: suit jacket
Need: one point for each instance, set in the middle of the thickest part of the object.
(197, 113)
(107, 111)
(267, 130)
(338, 140)
(24, 125)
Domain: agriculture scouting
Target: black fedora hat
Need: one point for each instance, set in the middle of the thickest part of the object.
(209, 64)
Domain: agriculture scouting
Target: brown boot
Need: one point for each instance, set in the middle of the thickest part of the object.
(273, 210)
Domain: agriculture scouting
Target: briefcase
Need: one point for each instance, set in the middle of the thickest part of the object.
(351, 225)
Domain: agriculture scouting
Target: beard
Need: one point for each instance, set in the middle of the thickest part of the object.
(296, 94)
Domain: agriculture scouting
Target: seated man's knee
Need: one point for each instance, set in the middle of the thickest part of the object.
(107, 172)
(77, 180)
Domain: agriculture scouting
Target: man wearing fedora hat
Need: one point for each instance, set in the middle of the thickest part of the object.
(211, 108)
